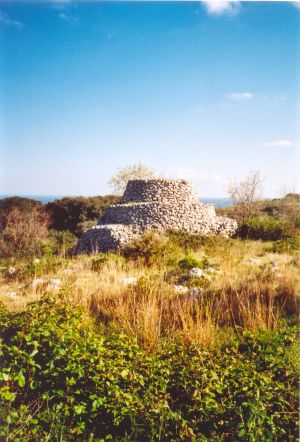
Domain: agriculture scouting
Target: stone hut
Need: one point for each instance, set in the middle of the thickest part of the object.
(160, 204)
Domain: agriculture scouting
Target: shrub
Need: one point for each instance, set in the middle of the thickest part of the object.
(24, 205)
(70, 212)
(152, 248)
(286, 245)
(266, 230)
(63, 241)
(63, 379)
(185, 240)
(26, 232)
(189, 262)
(191, 242)
(59, 376)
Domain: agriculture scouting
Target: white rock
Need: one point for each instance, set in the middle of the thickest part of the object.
(195, 272)
(129, 281)
(195, 293)
(180, 289)
(206, 276)
(54, 284)
(11, 294)
(254, 261)
(36, 282)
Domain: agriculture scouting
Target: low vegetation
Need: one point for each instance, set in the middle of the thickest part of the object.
(66, 378)
(176, 337)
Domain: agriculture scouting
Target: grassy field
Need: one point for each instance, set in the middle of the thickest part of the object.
(177, 337)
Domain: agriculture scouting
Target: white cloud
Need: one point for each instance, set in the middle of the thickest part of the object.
(188, 173)
(185, 172)
(241, 96)
(60, 2)
(296, 4)
(210, 177)
(69, 18)
(60, 5)
(5, 20)
(281, 143)
(221, 7)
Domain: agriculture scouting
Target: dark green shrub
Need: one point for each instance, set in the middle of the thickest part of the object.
(63, 241)
(69, 213)
(266, 230)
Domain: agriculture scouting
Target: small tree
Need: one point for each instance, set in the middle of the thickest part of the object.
(26, 232)
(119, 181)
(244, 193)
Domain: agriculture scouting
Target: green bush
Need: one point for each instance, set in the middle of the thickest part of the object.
(61, 378)
(190, 242)
(286, 245)
(189, 262)
(185, 240)
(266, 230)
(69, 213)
(152, 248)
(63, 241)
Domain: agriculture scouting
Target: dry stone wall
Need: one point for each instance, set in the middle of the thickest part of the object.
(154, 204)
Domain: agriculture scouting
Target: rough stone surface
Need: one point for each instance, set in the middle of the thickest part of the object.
(154, 204)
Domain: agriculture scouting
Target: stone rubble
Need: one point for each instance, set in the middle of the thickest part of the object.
(54, 284)
(130, 280)
(196, 273)
(160, 204)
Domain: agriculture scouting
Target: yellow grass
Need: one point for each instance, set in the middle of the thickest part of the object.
(239, 294)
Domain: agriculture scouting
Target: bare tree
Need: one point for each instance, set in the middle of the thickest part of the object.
(119, 181)
(244, 193)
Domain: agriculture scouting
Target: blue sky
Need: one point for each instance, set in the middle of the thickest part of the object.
(191, 89)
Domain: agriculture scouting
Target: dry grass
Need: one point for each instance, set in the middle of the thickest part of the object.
(242, 293)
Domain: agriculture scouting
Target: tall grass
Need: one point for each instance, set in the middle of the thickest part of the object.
(240, 294)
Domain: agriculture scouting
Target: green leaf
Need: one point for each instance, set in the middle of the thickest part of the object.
(124, 373)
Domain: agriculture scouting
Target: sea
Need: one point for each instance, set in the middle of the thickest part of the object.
(217, 202)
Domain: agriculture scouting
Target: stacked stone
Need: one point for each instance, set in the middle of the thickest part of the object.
(159, 204)
(102, 238)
